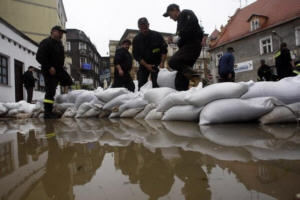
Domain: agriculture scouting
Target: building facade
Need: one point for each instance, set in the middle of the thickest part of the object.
(256, 32)
(87, 64)
(200, 65)
(34, 18)
(17, 53)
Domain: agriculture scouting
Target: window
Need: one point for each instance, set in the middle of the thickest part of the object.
(266, 45)
(82, 61)
(68, 46)
(82, 46)
(254, 24)
(3, 70)
(297, 33)
(218, 57)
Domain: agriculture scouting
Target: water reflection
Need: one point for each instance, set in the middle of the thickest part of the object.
(137, 159)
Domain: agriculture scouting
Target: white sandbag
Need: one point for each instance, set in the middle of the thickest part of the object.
(12, 113)
(111, 93)
(281, 114)
(147, 86)
(146, 110)
(131, 113)
(119, 100)
(285, 90)
(14, 105)
(182, 113)
(217, 91)
(84, 97)
(155, 95)
(176, 99)
(62, 98)
(82, 109)
(72, 96)
(27, 107)
(183, 128)
(97, 102)
(154, 115)
(70, 113)
(62, 107)
(3, 109)
(92, 112)
(116, 114)
(236, 110)
(134, 103)
(166, 78)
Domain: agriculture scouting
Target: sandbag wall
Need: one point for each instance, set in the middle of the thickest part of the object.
(217, 103)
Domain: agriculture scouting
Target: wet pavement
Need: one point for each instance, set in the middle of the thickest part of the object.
(89, 159)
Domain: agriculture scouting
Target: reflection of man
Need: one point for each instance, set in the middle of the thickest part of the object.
(123, 65)
(189, 40)
(150, 50)
(226, 66)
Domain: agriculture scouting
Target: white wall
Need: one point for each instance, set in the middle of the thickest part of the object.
(12, 51)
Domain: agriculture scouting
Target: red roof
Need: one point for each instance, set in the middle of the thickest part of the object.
(214, 34)
(276, 11)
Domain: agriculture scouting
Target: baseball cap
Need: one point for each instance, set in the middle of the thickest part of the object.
(143, 21)
(58, 28)
(170, 8)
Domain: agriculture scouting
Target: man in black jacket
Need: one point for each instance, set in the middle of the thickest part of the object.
(52, 57)
(150, 50)
(29, 83)
(189, 40)
(123, 65)
(283, 62)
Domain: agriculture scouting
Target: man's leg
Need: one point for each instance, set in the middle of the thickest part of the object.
(29, 94)
(128, 82)
(142, 76)
(51, 83)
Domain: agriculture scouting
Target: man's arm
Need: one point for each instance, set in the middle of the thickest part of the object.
(164, 51)
(119, 57)
(43, 55)
(187, 24)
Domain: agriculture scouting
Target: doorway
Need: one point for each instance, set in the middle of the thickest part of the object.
(18, 80)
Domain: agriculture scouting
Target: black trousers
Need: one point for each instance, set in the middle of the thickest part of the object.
(124, 81)
(29, 94)
(143, 75)
(184, 58)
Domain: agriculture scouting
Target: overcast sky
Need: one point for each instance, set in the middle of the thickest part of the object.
(104, 20)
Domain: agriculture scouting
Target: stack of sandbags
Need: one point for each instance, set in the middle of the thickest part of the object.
(20, 109)
(166, 78)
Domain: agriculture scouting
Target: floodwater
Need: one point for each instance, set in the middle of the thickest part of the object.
(92, 159)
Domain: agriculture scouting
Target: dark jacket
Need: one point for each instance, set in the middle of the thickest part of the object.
(265, 73)
(124, 59)
(226, 64)
(149, 47)
(283, 63)
(188, 28)
(51, 54)
(28, 79)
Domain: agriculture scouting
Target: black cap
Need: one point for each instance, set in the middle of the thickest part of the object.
(143, 21)
(170, 8)
(58, 28)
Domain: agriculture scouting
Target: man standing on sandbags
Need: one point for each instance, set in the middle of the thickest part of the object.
(283, 62)
(51, 56)
(150, 50)
(123, 65)
(189, 40)
(226, 66)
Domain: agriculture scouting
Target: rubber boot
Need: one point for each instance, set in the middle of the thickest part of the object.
(48, 114)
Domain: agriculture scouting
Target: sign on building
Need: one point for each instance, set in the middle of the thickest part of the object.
(244, 66)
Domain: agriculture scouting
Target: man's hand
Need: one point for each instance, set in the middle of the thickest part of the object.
(121, 72)
(230, 75)
(150, 67)
(52, 71)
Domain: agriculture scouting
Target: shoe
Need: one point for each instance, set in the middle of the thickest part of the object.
(191, 74)
(51, 116)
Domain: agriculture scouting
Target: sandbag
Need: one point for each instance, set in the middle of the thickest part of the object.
(282, 114)
(62, 107)
(217, 91)
(182, 113)
(236, 110)
(3, 109)
(147, 86)
(154, 115)
(119, 100)
(62, 98)
(72, 96)
(82, 109)
(111, 93)
(70, 113)
(116, 114)
(131, 113)
(155, 95)
(166, 78)
(84, 97)
(146, 110)
(139, 103)
(92, 112)
(285, 90)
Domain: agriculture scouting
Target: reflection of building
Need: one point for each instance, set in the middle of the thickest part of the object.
(200, 64)
(86, 61)
(255, 32)
(17, 53)
(34, 18)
